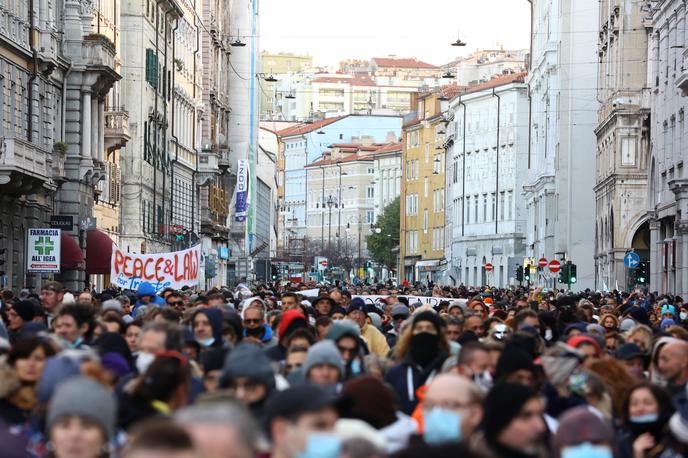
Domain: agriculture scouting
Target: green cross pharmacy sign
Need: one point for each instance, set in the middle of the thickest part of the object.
(43, 250)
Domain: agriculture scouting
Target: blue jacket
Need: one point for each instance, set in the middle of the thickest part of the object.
(146, 289)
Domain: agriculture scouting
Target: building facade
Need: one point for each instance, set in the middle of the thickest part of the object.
(559, 185)
(623, 143)
(422, 195)
(387, 165)
(487, 160)
(483, 65)
(668, 186)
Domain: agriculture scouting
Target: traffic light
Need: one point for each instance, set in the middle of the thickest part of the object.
(564, 273)
(641, 273)
(519, 274)
(572, 273)
(526, 272)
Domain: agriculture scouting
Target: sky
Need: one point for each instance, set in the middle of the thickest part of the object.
(335, 30)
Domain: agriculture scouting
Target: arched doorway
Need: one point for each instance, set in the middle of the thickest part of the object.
(641, 245)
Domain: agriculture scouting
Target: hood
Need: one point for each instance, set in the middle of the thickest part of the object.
(267, 335)
(145, 289)
(215, 320)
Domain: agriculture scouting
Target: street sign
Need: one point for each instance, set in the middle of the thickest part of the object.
(554, 266)
(542, 262)
(64, 222)
(323, 263)
(43, 250)
(489, 267)
(631, 260)
(87, 224)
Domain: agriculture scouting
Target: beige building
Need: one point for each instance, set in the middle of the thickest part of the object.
(623, 143)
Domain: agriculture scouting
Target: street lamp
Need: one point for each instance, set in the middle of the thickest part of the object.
(330, 203)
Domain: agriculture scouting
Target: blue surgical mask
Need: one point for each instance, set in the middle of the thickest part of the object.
(647, 418)
(321, 445)
(683, 316)
(587, 450)
(440, 426)
(355, 367)
(206, 342)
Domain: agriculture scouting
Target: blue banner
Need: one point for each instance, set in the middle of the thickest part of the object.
(242, 188)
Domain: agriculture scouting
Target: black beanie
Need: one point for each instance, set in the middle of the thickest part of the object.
(502, 404)
(25, 310)
(432, 317)
(512, 359)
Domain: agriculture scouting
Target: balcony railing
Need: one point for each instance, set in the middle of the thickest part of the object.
(14, 28)
(24, 157)
(116, 128)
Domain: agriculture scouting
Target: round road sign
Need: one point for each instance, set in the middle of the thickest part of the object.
(489, 267)
(542, 262)
(554, 266)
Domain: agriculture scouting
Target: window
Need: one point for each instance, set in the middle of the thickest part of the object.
(370, 192)
(501, 205)
(425, 221)
(484, 207)
(426, 185)
(468, 209)
(510, 204)
(371, 170)
(493, 214)
(477, 198)
(152, 68)
(417, 168)
(427, 153)
(370, 217)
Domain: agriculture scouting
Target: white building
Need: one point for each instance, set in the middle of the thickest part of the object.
(559, 186)
(387, 165)
(483, 65)
(486, 164)
(668, 190)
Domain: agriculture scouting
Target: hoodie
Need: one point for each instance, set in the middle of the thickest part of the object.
(291, 320)
(147, 289)
(215, 320)
(248, 360)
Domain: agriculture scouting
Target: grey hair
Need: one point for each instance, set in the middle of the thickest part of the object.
(226, 412)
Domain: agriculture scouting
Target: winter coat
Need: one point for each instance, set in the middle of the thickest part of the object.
(483, 448)
(17, 401)
(146, 289)
(399, 376)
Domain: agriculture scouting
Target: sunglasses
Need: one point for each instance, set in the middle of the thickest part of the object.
(252, 320)
(175, 303)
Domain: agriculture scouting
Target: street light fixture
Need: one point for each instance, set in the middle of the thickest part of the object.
(237, 43)
(458, 42)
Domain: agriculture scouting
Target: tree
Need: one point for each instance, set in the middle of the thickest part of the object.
(384, 246)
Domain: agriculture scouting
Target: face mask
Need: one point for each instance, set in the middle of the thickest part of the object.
(254, 332)
(648, 418)
(548, 335)
(355, 367)
(424, 348)
(683, 315)
(440, 426)
(321, 445)
(483, 380)
(206, 342)
(143, 361)
(586, 450)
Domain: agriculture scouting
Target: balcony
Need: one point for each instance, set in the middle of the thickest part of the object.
(24, 167)
(14, 28)
(116, 128)
(99, 51)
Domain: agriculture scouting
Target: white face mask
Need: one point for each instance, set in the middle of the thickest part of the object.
(683, 315)
(143, 361)
(548, 334)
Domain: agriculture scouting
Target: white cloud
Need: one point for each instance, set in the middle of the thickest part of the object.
(333, 30)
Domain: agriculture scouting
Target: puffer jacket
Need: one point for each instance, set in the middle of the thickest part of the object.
(16, 400)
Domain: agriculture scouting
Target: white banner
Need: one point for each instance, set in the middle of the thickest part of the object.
(162, 270)
(310, 292)
(43, 250)
(433, 301)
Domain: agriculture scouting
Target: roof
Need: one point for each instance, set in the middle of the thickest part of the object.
(350, 158)
(356, 146)
(495, 82)
(402, 63)
(389, 148)
(303, 128)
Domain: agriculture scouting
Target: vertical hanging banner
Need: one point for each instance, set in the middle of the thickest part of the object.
(163, 270)
(43, 249)
(242, 191)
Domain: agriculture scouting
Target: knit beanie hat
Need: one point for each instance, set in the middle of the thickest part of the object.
(84, 397)
(512, 359)
(432, 317)
(248, 360)
(342, 328)
(25, 310)
(502, 404)
(369, 399)
(324, 352)
(579, 425)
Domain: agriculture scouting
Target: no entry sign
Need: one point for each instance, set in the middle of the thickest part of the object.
(554, 266)
(542, 262)
(489, 267)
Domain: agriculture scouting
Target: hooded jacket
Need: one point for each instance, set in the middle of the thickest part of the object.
(215, 320)
(287, 325)
(147, 289)
(408, 370)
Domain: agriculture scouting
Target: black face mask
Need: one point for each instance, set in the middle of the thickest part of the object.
(424, 348)
(254, 332)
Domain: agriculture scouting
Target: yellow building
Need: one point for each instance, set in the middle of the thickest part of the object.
(421, 246)
(284, 63)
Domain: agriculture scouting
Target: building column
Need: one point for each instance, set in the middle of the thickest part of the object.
(94, 129)
(101, 130)
(86, 125)
(655, 255)
(682, 262)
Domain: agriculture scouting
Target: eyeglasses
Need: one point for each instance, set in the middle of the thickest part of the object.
(252, 320)
(175, 303)
(346, 350)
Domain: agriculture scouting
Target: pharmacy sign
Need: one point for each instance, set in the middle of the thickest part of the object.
(43, 250)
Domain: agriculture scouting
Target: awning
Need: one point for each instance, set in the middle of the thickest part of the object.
(432, 265)
(71, 257)
(98, 252)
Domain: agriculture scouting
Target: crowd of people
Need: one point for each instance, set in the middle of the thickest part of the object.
(360, 371)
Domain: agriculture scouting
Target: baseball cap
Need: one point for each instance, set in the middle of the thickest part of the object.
(629, 351)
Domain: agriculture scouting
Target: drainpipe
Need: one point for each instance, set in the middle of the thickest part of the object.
(496, 215)
(530, 98)
(463, 173)
(155, 122)
(194, 173)
(174, 134)
(34, 72)
(165, 98)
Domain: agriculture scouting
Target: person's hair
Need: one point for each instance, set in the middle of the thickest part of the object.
(616, 378)
(82, 314)
(215, 296)
(301, 333)
(521, 316)
(642, 329)
(663, 397)
(678, 332)
(173, 334)
(255, 307)
(323, 321)
(468, 350)
(162, 378)
(53, 286)
(158, 434)
(23, 347)
(229, 413)
(112, 316)
(454, 321)
(170, 314)
(174, 294)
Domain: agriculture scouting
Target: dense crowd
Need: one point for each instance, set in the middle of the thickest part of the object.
(305, 370)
